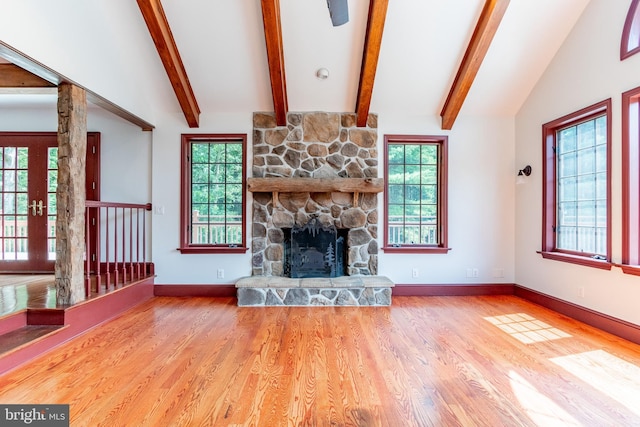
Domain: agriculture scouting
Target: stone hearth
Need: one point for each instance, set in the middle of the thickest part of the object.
(337, 291)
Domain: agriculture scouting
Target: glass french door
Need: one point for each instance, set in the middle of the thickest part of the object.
(28, 183)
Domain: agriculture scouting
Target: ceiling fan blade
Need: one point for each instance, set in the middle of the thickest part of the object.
(339, 12)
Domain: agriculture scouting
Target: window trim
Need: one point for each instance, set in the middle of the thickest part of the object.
(629, 98)
(631, 23)
(549, 187)
(442, 247)
(185, 195)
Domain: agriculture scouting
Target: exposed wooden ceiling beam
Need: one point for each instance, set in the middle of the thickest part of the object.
(160, 31)
(275, 56)
(371, 51)
(12, 76)
(486, 28)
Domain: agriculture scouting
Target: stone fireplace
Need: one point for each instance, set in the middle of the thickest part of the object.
(320, 166)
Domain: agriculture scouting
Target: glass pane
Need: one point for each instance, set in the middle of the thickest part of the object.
(53, 181)
(586, 239)
(218, 153)
(22, 180)
(234, 173)
(9, 179)
(199, 153)
(429, 194)
(586, 213)
(601, 214)
(428, 235)
(396, 154)
(567, 237)
(52, 206)
(429, 214)
(53, 157)
(567, 164)
(23, 204)
(429, 154)
(412, 174)
(199, 193)
(199, 173)
(429, 174)
(9, 157)
(567, 140)
(601, 130)
(234, 153)
(601, 186)
(8, 203)
(217, 193)
(567, 189)
(396, 193)
(199, 212)
(586, 187)
(567, 214)
(412, 154)
(22, 249)
(396, 174)
(586, 134)
(586, 161)
(218, 173)
(233, 193)
(234, 212)
(601, 158)
(23, 158)
(412, 195)
(396, 213)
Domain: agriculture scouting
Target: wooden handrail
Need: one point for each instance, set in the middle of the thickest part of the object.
(115, 243)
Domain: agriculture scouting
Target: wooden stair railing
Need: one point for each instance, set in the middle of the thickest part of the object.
(116, 244)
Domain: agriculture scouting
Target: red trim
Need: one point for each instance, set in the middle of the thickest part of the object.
(13, 321)
(577, 259)
(629, 23)
(615, 326)
(628, 98)
(415, 250)
(194, 290)
(453, 290)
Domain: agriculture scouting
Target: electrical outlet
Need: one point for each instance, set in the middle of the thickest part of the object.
(221, 273)
(476, 273)
(581, 291)
(414, 272)
(158, 210)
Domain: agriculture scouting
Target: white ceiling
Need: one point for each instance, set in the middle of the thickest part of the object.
(222, 48)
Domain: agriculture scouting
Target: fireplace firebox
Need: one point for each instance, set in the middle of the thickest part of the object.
(314, 250)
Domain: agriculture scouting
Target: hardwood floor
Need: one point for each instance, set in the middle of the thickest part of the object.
(424, 361)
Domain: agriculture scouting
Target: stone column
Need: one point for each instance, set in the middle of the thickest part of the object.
(71, 194)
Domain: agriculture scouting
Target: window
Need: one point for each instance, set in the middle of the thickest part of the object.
(416, 193)
(213, 194)
(577, 187)
(631, 181)
(630, 43)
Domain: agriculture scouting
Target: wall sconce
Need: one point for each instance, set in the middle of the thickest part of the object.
(526, 171)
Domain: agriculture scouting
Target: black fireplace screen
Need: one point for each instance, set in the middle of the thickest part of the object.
(314, 250)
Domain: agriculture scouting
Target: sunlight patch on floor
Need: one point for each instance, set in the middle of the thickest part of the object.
(525, 328)
(610, 375)
(542, 410)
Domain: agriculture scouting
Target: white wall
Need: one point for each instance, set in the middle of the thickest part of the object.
(481, 202)
(586, 70)
(125, 150)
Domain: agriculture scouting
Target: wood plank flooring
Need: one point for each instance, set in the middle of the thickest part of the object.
(424, 361)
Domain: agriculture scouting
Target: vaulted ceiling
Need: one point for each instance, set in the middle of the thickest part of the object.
(416, 57)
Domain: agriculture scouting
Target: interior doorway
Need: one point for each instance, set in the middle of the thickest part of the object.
(28, 183)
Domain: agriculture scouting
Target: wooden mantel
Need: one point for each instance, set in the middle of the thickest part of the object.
(315, 185)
